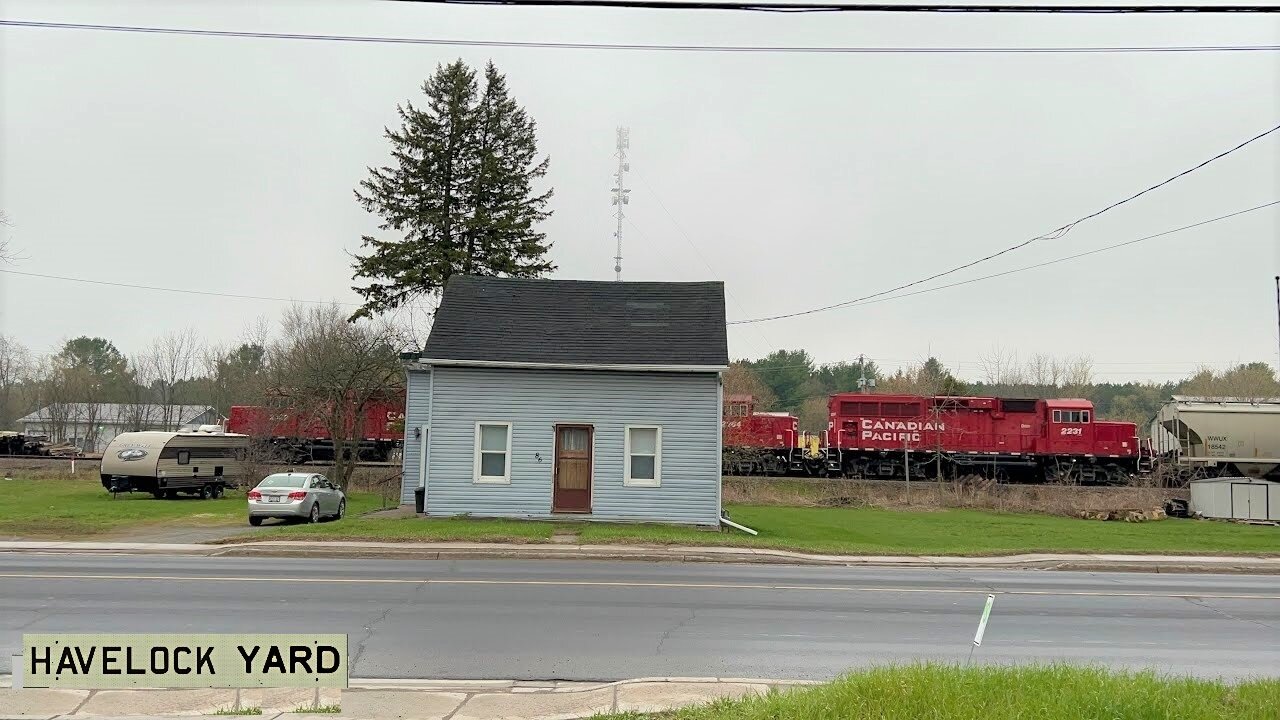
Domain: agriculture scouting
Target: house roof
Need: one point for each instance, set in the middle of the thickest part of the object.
(576, 323)
(119, 413)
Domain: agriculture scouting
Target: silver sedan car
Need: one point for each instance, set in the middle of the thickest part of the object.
(296, 496)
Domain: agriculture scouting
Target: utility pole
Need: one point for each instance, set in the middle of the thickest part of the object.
(620, 193)
(1278, 324)
(864, 385)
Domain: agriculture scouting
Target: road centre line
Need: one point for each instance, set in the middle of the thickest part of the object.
(632, 584)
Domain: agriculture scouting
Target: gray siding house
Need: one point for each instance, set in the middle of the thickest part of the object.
(558, 398)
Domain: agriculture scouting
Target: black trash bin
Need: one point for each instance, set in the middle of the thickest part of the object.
(419, 499)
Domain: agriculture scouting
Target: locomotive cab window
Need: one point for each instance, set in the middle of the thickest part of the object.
(737, 409)
(1084, 416)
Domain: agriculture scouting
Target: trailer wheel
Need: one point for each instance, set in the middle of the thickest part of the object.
(206, 492)
(170, 494)
(157, 494)
(217, 491)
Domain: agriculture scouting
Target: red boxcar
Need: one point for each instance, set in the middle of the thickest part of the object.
(305, 437)
(1056, 440)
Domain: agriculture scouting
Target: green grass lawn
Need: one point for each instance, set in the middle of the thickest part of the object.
(929, 692)
(874, 531)
(68, 508)
(65, 508)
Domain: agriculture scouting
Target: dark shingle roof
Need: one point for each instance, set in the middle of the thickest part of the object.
(578, 322)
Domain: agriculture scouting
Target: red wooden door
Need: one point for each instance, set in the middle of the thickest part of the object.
(572, 483)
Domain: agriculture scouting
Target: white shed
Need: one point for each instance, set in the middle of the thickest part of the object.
(1237, 498)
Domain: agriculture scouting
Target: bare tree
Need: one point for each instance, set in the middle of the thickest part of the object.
(172, 359)
(329, 370)
(5, 255)
(15, 361)
(1000, 368)
(1077, 375)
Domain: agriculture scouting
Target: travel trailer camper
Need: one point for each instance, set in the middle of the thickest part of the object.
(202, 462)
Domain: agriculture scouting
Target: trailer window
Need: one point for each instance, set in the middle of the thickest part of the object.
(184, 457)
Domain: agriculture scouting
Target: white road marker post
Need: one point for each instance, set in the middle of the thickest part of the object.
(982, 625)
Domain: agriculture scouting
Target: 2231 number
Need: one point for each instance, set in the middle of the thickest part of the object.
(1072, 431)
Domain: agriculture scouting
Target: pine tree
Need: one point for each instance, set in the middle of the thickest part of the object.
(460, 192)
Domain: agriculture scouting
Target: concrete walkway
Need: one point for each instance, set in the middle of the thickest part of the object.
(393, 699)
(661, 553)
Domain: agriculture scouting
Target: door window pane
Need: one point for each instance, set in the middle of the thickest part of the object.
(573, 439)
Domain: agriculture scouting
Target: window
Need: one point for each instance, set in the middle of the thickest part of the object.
(1057, 416)
(1084, 416)
(282, 480)
(493, 453)
(737, 410)
(1075, 416)
(643, 456)
(184, 457)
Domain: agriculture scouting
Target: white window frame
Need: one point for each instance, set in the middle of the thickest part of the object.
(476, 477)
(629, 481)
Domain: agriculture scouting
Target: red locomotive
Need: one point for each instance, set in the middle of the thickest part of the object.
(302, 438)
(895, 436)
(1056, 440)
(758, 443)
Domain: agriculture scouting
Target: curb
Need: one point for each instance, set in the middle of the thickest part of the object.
(391, 698)
(650, 553)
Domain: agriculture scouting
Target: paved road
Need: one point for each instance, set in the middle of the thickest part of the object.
(599, 620)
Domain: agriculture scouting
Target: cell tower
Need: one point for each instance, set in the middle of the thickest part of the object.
(620, 193)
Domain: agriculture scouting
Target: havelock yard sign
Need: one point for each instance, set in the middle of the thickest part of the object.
(114, 660)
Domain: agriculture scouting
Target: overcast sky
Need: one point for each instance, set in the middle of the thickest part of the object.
(227, 165)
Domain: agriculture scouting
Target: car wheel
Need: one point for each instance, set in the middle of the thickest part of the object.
(342, 510)
(255, 521)
(314, 517)
(206, 492)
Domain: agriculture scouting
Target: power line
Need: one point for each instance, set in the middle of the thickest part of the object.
(1052, 235)
(809, 7)
(1066, 258)
(801, 49)
(174, 290)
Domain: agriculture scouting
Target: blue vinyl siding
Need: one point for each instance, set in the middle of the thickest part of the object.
(685, 405)
(416, 415)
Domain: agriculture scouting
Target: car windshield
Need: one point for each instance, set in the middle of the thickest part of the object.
(281, 481)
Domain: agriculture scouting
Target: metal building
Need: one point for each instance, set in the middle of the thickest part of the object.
(555, 398)
(1236, 498)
